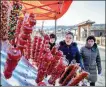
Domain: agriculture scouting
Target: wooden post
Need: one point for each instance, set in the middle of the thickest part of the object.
(88, 30)
(79, 33)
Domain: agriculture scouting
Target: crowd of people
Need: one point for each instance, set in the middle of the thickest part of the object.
(88, 57)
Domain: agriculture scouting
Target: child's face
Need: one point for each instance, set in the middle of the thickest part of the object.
(52, 40)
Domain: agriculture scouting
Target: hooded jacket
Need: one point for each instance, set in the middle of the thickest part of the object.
(71, 52)
(92, 61)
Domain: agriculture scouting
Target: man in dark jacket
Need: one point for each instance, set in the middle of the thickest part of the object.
(70, 49)
(91, 59)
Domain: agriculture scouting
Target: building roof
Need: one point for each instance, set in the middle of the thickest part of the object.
(98, 27)
(86, 22)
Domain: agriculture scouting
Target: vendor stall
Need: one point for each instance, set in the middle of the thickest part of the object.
(30, 62)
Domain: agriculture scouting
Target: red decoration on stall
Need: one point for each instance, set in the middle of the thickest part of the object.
(42, 84)
(46, 10)
(13, 57)
(28, 49)
(24, 39)
(42, 69)
(57, 71)
(78, 78)
(55, 60)
(66, 73)
(34, 47)
(71, 75)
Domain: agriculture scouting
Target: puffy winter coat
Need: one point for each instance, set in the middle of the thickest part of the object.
(92, 61)
(71, 51)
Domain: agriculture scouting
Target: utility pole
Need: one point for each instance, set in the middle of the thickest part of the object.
(55, 25)
(42, 24)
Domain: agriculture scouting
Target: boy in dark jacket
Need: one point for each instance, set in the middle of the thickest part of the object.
(70, 49)
(91, 59)
(52, 42)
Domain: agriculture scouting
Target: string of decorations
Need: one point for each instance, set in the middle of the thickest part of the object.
(4, 20)
(15, 12)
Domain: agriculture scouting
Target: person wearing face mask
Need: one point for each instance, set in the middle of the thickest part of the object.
(91, 59)
(70, 49)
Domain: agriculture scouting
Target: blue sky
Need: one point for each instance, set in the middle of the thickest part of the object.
(80, 11)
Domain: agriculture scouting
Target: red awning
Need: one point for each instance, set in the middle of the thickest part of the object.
(46, 10)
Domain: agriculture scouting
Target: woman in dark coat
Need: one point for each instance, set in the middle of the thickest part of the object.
(91, 59)
(70, 49)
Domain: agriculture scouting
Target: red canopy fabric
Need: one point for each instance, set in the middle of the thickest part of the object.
(46, 10)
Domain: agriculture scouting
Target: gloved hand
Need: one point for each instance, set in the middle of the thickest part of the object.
(100, 72)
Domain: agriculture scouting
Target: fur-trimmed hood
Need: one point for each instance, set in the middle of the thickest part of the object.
(94, 47)
(64, 43)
